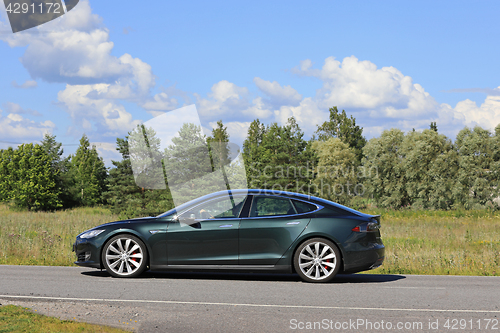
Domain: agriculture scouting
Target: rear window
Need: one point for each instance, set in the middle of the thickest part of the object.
(303, 207)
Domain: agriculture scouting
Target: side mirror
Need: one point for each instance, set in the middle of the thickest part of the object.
(187, 218)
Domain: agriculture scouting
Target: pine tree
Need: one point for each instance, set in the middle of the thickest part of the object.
(252, 153)
(219, 151)
(124, 195)
(345, 128)
(65, 179)
(188, 166)
(277, 157)
(89, 173)
(145, 156)
(219, 146)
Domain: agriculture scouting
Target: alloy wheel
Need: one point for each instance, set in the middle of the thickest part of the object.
(317, 260)
(124, 256)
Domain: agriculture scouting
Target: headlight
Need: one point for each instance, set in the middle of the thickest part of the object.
(91, 233)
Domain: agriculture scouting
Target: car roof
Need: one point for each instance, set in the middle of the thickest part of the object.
(267, 192)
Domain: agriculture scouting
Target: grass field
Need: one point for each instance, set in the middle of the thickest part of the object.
(440, 242)
(30, 238)
(417, 242)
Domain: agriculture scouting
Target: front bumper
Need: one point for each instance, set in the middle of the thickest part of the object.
(87, 253)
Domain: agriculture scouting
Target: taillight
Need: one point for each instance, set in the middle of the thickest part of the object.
(366, 227)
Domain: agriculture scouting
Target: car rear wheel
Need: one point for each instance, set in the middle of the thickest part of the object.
(317, 260)
(124, 256)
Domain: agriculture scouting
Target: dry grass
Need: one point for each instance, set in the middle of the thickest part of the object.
(29, 238)
(441, 243)
(421, 242)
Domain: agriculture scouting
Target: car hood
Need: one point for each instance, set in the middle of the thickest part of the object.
(128, 221)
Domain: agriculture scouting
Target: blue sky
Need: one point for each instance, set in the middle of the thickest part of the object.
(107, 65)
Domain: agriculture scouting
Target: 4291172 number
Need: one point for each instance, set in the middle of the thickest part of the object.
(479, 324)
(42, 8)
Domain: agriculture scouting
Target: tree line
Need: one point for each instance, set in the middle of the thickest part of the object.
(418, 169)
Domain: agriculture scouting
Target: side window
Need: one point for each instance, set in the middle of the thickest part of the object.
(303, 207)
(220, 208)
(271, 206)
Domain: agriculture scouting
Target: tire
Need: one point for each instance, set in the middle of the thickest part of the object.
(124, 256)
(317, 260)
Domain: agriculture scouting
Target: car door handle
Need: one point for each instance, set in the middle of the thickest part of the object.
(226, 226)
(294, 222)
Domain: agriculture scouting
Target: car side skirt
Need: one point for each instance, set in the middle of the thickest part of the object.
(249, 268)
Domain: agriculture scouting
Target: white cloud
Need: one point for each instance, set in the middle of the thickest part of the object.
(361, 85)
(258, 109)
(277, 94)
(105, 116)
(161, 101)
(225, 98)
(224, 90)
(14, 108)
(308, 114)
(26, 85)
(15, 127)
(487, 115)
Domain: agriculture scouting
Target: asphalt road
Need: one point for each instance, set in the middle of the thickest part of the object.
(224, 302)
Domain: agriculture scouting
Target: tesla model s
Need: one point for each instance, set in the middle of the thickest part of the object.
(250, 230)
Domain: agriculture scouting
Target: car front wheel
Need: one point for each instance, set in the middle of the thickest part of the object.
(317, 260)
(124, 256)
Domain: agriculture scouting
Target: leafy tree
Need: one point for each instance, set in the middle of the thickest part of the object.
(89, 173)
(7, 174)
(337, 174)
(345, 128)
(384, 171)
(34, 179)
(476, 178)
(430, 165)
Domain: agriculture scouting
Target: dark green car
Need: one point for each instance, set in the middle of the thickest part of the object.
(251, 230)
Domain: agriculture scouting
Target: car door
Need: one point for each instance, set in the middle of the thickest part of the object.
(270, 229)
(206, 234)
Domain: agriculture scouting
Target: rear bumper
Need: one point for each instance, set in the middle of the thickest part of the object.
(359, 261)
